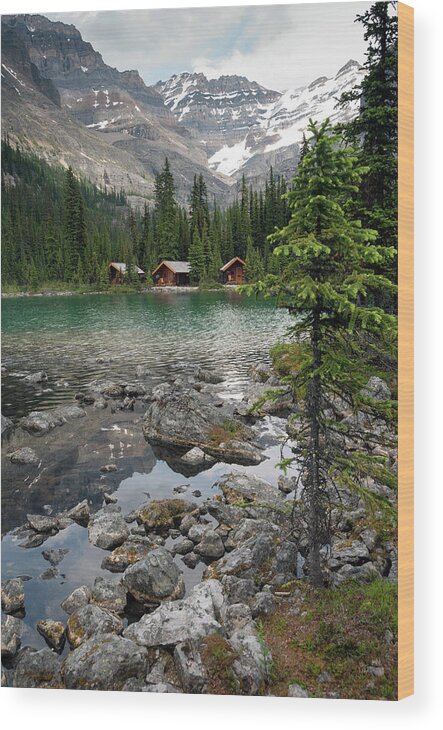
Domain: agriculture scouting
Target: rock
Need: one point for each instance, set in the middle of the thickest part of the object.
(108, 468)
(365, 573)
(155, 578)
(100, 403)
(239, 590)
(239, 487)
(135, 390)
(190, 667)
(376, 670)
(181, 488)
(187, 522)
(369, 537)
(238, 616)
(191, 560)
(54, 555)
(197, 532)
(130, 552)
(105, 663)
(33, 539)
(77, 599)
(109, 498)
(53, 633)
(161, 515)
(38, 669)
(107, 529)
(89, 621)
(42, 523)
(377, 389)
(286, 484)
(175, 622)
(262, 604)
(24, 456)
(197, 457)
(7, 427)
(109, 595)
(252, 666)
(80, 513)
(324, 678)
(210, 546)
(13, 595)
(161, 687)
(179, 416)
(112, 390)
(208, 376)
(342, 554)
(295, 690)
(226, 514)
(49, 573)
(182, 546)
(260, 373)
(12, 629)
(34, 378)
(196, 493)
(40, 422)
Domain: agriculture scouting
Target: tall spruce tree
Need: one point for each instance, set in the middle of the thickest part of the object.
(197, 259)
(74, 222)
(328, 274)
(166, 212)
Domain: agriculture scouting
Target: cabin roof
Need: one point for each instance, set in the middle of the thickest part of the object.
(121, 267)
(178, 267)
(231, 262)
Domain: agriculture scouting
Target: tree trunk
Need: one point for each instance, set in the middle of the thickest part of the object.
(314, 475)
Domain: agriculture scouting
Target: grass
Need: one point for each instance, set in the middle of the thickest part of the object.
(288, 357)
(226, 432)
(218, 658)
(341, 631)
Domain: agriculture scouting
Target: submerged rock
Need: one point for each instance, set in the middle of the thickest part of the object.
(40, 422)
(105, 663)
(107, 529)
(13, 595)
(155, 578)
(89, 621)
(38, 669)
(24, 456)
(53, 633)
(54, 555)
(35, 378)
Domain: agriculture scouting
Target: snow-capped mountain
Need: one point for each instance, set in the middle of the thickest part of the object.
(247, 127)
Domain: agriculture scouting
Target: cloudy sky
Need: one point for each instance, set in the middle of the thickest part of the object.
(280, 46)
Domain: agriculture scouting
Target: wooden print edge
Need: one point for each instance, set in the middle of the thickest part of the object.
(406, 350)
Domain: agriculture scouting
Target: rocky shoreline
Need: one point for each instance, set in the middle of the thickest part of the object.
(143, 628)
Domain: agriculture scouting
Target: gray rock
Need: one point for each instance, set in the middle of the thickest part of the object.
(238, 616)
(100, 403)
(155, 578)
(7, 427)
(162, 688)
(210, 546)
(108, 468)
(89, 621)
(40, 422)
(77, 599)
(109, 595)
(135, 548)
(42, 523)
(377, 389)
(49, 573)
(191, 560)
(187, 522)
(208, 376)
(35, 378)
(237, 487)
(24, 456)
(172, 623)
(295, 690)
(53, 633)
(286, 484)
(343, 554)
(190, 667)
(324, 678)
(80, 513)
(260, 373)
(262, 604)
(33, 539)
(369, 537)
(239, 590)
(362, 573)
(197, 457)
(12, 629)
(104, 663)
(107, 529)
(54, 555)
(38, 669)
(182, 546)
(110, 498)
(13, 595)
(197, 532)
(112, 390)
(252, 666)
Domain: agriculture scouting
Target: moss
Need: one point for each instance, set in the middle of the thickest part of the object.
(165, 513)
(218, 658)
(288, 358)
(225, 432)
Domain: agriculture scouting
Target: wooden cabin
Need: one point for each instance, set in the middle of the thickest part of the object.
(172, 273)
(117, 272)
(234, 271)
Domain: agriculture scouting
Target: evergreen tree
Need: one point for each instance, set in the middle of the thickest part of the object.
(74, 220)
(329, 272)
(197, 259)
(166, 211)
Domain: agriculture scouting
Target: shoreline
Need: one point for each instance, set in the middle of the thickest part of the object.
(117, 291)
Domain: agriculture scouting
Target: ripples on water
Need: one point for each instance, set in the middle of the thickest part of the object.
(167, 332)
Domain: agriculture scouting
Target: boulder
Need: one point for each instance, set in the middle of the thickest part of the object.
(190, 667)
(191, 560)
(135, 548)
(161, 515)
(109, 595)
(80, 513)
(238, 487)
(105, 663)
(12, 629)
(210, 546)
(77, 599)
(13, 595)
(342, 554)
(286, 484)
(208, 376)
(182, 546)
(155, 578)
(24, 456)
(53, 633)
(107, 529)
(295, 690)
(252, 665)
(262, 604)
(40, 422)
(89, 621)
(43, 523)
(172, 623)
(377, 389)
(239, 590)
(38, 669)
(365, 573)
